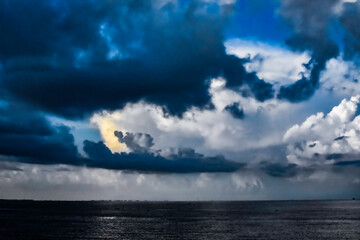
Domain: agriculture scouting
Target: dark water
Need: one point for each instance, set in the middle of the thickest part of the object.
(180, 220)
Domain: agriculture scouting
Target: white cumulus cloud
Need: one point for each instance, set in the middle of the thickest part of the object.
(334, 133)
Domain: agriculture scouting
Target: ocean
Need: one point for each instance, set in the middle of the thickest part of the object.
(179, 220)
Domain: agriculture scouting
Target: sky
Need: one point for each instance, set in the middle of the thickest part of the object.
(179, 99)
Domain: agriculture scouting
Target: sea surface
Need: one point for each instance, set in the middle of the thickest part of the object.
(179, 220)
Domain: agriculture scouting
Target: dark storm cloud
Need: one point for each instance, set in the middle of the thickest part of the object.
(310, 20)
(236, 75)
(279, 169)
(17, 119)
(348, 163)
(312, 145)
(26, 136)
(340, 138)
(136, 142)
(316, 24)
(75, 57)
(101, 156)
(341, 159)
(345, 159)
(235, 110)
(143, 158)
(350, 19)
(334, 156)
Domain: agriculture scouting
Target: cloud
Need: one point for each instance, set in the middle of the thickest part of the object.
(100, 156)
(136, 142)
(275, 64)
(323, 29)
(282, 67)
(83, 56)
(107, 129)
(81, 183)
(63, 182)
(326, 139)
(144, 159)
(310, 21)
(235, 110)
(28, 136)
(279, 170)
(210, 131)
(102, 65)
(167, 90)
(349, 18)
(349, 163)
(21, 119)
(341, 78)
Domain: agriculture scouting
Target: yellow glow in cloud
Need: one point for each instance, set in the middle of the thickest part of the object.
(107, 129)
